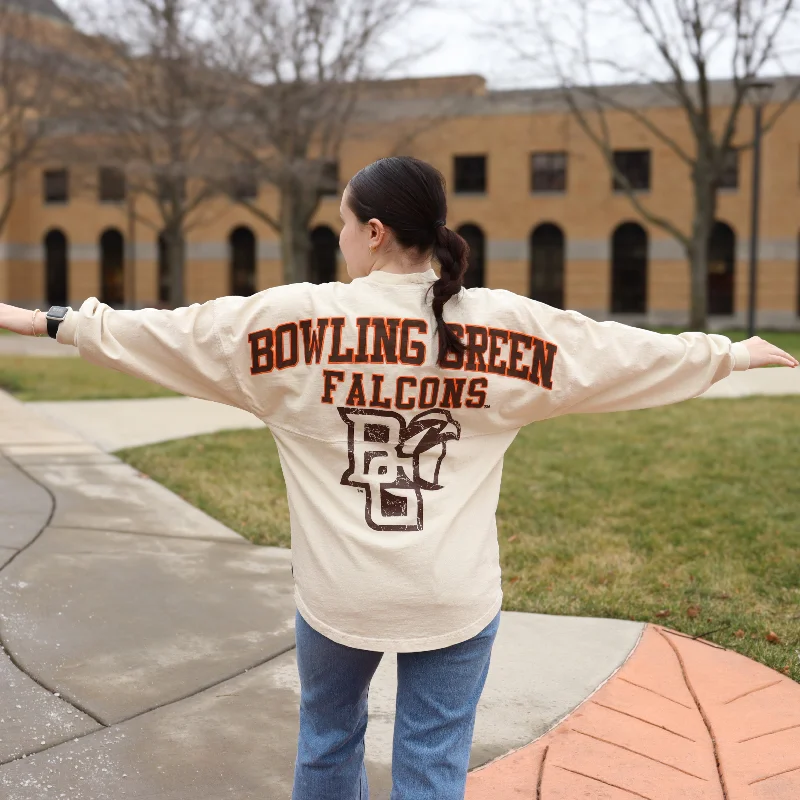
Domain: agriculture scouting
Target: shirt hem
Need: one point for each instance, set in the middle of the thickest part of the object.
(399, 645)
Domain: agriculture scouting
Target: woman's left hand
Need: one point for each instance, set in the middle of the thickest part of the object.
(18, 320)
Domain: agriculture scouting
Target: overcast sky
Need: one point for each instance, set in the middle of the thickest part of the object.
(462, 39)
(469, 45)
(464, 47)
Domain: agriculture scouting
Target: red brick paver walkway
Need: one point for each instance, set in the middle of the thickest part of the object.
(682, 719)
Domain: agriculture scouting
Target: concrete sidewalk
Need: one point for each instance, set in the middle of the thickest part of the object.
(149, 652)
(115, 424)
(34, 346)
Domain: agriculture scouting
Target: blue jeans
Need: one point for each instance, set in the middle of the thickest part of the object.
(437, 699)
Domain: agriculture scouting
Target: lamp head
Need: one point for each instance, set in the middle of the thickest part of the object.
(759, 91)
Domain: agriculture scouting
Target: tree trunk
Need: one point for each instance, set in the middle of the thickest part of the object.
(176, 260)
(295, 215)
(704, 212)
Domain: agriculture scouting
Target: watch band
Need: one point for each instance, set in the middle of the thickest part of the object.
(52, 327)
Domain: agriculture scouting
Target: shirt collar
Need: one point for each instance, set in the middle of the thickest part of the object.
(380, 276)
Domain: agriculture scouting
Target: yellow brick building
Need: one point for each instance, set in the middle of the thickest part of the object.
(526, 188)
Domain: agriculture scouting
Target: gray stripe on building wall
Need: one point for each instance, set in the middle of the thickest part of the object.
(588, 249)
(496, 250)
(506, 250)
(84, 252)
(10, 251)
(269, 250)
(220, 251)
(207, 251)
(659, 250)
(666, 250)
(146, 251)
(769, 249)
(779, 250)
(743, 248)
(519, 250)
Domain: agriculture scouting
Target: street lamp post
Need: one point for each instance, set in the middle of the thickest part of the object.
(759, 92)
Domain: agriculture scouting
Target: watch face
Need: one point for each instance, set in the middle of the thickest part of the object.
(57, 312)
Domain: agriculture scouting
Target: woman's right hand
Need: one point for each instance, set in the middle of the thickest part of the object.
(762, 354)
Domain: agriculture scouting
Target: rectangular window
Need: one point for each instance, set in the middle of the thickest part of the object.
(329, 185)
(635, 166)
(111, 183)
(169, 186)
(549, 172)
(729, 177)
(244, 187)
(470, 174)
(56, 186)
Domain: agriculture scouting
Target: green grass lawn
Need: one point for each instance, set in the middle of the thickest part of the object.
(686, 515)
(70, 379)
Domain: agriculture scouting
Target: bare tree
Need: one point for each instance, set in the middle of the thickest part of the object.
(296, 69)
(675, 48)
(149, 115)
(29, 66)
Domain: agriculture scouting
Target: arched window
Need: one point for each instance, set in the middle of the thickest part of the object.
(721, 264)
(56, 260)
(324, 246)
(112, 268)
(629, 269)
(242, 243)
(547, 265)
(474, 237)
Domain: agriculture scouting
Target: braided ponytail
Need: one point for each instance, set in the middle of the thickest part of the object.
(451, 252)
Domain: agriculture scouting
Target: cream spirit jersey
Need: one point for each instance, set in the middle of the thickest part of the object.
(393, 464)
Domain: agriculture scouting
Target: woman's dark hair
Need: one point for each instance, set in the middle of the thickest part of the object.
(408, 196)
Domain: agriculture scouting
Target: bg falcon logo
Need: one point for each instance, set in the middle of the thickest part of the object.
(393, 462)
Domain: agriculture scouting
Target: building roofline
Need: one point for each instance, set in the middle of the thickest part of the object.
(45, 9)
(549, 100)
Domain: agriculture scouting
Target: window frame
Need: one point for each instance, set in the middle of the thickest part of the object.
(163, 183)
(46, 199)
(238, 181)
(101, 171)
(462, 159)
(616, 187)
(549, 171)
(333, 175)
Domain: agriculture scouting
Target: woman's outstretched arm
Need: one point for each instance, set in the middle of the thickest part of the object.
(608, 366)
(179, 349)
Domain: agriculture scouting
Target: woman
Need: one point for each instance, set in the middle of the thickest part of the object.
(391, 426)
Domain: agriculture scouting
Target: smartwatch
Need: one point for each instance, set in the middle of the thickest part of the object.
(55, 316)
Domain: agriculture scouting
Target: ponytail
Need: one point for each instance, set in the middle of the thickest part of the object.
(408, 196)
(451, 252)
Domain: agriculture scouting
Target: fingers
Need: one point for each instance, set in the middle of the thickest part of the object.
(788, 360)
(781, 357)
(764, 354)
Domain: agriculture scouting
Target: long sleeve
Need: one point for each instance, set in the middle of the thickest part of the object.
(609, 366)
(178, 349)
